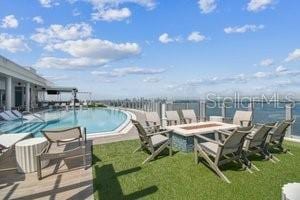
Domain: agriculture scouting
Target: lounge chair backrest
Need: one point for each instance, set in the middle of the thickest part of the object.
(189, 114)
(63, 135)
(4, 116)
(280, 129)
(16, 112)
(242, 118)
(260, 135)
(142, 133)
(235, 141)
(152, 118)
(173, 117)
(10, 114)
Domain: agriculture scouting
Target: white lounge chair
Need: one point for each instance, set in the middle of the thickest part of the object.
(173, 118)
(17, 113)
(6, 117)
(189, 116)
(11, 115)
(7, 144)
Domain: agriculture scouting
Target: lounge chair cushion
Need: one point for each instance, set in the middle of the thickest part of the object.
(158, 139)
(210, 148)
(10, 139)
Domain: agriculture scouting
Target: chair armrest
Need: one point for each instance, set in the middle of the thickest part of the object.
(159, 133)
(151, 127)
(209, 140)
(224, 132)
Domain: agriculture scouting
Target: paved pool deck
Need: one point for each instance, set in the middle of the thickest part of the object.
(63, 180)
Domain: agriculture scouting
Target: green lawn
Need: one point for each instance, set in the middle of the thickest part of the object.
(118, 174)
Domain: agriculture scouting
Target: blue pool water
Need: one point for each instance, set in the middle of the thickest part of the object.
(98, 120)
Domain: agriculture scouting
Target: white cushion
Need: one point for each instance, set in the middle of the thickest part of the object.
(10, 139)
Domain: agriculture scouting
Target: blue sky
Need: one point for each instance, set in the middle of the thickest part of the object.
(152, 48)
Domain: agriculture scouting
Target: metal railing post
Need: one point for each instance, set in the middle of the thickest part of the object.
(163, 114)
(224, 110)
(202, 110)
(288, 116)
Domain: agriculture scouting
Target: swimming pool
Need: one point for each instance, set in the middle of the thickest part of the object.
(98, 121)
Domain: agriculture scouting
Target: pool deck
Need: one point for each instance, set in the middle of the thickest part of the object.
(66, 180)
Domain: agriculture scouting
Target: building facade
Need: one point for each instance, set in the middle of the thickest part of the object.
(22, 87)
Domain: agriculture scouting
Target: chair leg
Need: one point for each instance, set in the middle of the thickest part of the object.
(160, 149)
(84, 158)
(213, 166)
(170, 145)
(39, 167)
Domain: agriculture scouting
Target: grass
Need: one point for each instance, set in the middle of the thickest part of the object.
(118, 174)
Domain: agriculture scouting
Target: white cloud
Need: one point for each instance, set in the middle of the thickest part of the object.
(97, 48)
(13, 43)
(100, 4)
(295, 55)
(267, 62)
(196, 37)
(112, 14)
(152, 79)
(243, 29)
(207, 6)
(56, 78)
(280, 69)
(258, 5)
(111, 10)
(9, 21)
(121, 72)
(38, 20)
(48, 3)
(165, 38)
(261, 75)
(69, 63)
(57, 32)
(88, 53)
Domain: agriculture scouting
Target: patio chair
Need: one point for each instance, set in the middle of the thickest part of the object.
(153, 120)
(154, 143)
(189, 116)
(226, 148)
(276, 137)
(173, 118)
(255, 142)
(66, 146)
(241, 118)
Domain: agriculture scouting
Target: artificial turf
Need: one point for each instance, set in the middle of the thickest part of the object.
(119, 174)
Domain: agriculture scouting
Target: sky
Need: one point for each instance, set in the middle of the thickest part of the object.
(157, 48)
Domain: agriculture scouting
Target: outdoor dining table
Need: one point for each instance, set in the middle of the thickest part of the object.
(183, 135)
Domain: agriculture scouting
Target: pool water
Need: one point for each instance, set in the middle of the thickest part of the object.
(97, 120)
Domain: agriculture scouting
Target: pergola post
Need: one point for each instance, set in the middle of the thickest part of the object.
(27, 93)
(8, 92)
